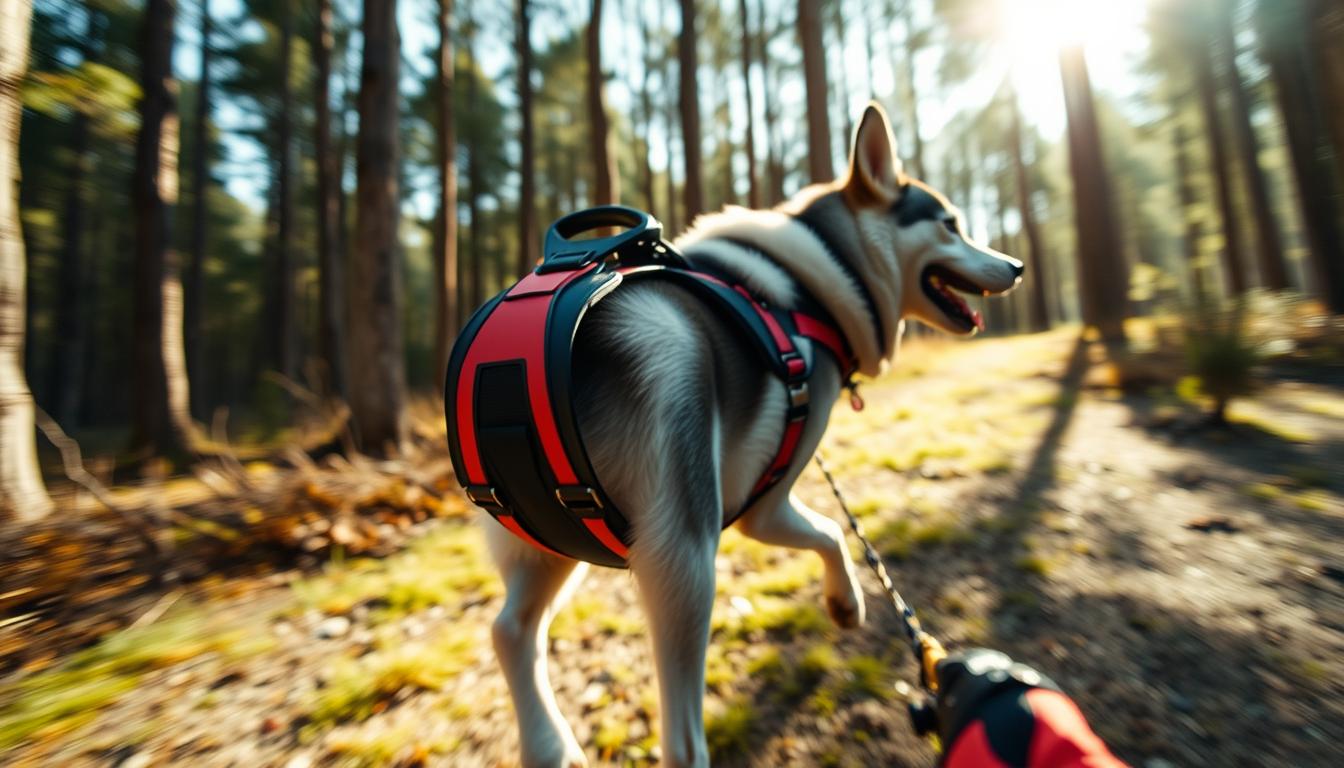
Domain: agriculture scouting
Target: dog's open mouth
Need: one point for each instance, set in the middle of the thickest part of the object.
(941, 285)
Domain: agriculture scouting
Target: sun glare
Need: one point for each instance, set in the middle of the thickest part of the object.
(1034, 31)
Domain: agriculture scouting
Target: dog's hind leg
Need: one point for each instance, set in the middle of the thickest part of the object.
(677, 588)
(534, 580)
(792, 524)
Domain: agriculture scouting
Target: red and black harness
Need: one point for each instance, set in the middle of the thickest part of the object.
(512, 431)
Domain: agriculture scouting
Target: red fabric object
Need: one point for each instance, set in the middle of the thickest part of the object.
(517, 530)
(510, 333)
(599, 529)
(1062, 736)
(972, 750)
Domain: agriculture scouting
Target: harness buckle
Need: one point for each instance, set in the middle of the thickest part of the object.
(794, 364)
(578, 499)
(799, 397)
(484, 496)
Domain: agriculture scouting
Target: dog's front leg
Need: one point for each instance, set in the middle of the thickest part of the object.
(791, 523)
(677, 587)
(533, 580)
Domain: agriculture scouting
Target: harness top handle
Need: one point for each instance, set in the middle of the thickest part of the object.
(642, 240)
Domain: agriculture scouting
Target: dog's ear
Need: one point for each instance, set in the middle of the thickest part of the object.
(875, 173)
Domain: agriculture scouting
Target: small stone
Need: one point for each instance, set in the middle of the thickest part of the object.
(136, 760)
(741, 605)
(300, 761)
(331, 628)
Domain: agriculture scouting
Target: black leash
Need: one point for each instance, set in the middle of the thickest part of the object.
(923, 646)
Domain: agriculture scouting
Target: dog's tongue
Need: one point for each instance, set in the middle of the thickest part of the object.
(965, 308)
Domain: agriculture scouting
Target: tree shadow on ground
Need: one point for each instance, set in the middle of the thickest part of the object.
(1179, 685)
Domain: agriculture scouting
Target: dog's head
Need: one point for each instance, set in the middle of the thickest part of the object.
(919, 235)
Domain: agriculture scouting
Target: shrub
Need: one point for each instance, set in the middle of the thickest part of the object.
(1221, 355)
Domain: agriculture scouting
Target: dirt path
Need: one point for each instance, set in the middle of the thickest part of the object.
(1187, 587)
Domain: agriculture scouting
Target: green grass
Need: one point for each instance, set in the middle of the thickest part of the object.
(728, 732)
(384, 746)
(358, 689)
(867, 677)
(441, 568)
(62, 699)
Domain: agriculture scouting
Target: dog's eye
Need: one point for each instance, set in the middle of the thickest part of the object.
(950, 225)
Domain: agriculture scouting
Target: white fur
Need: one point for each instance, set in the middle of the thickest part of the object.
(800, 252)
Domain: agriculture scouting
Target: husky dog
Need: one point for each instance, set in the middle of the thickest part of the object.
(679, 418)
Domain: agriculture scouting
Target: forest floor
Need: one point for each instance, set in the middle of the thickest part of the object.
(1185, 584)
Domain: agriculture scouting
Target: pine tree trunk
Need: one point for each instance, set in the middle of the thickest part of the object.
(846, 119)
(774, 171)
(606, 181)
(1038, 274)
(378, 382)
(286, 327)
(69, 351)
(445, 261)
(1269, 250)
(1103, 279)
(194, 288)
(689, 102)
(749, 141)
(528, 249)
(1327, 41)
(1194, 230)
(477, 260)
(162, 420)
(819, 166)
(1234, 260)
(1282, 32)
(645, 116)
(22, 494)
(330, 272)
(910, 48)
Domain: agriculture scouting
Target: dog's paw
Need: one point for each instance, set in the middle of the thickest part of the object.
(847, 612)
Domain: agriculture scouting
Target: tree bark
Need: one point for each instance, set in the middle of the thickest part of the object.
(378, 383)
(911, 49)
(689, 101)
(445, 261)
(162, 421)
(477, 290)
(842, 97)
(1038, 276)
(1269, 250)
(1103, 279)
(749, 141)
(773, 168)
(1234, 260)
(69, 351)
(194, 288)
(286, 327)
(528, 250)
(1282, 32)
(330, 272)
(819, 165)
(645, 115)
(1194, 231)
(606, 181)
(22, 494)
